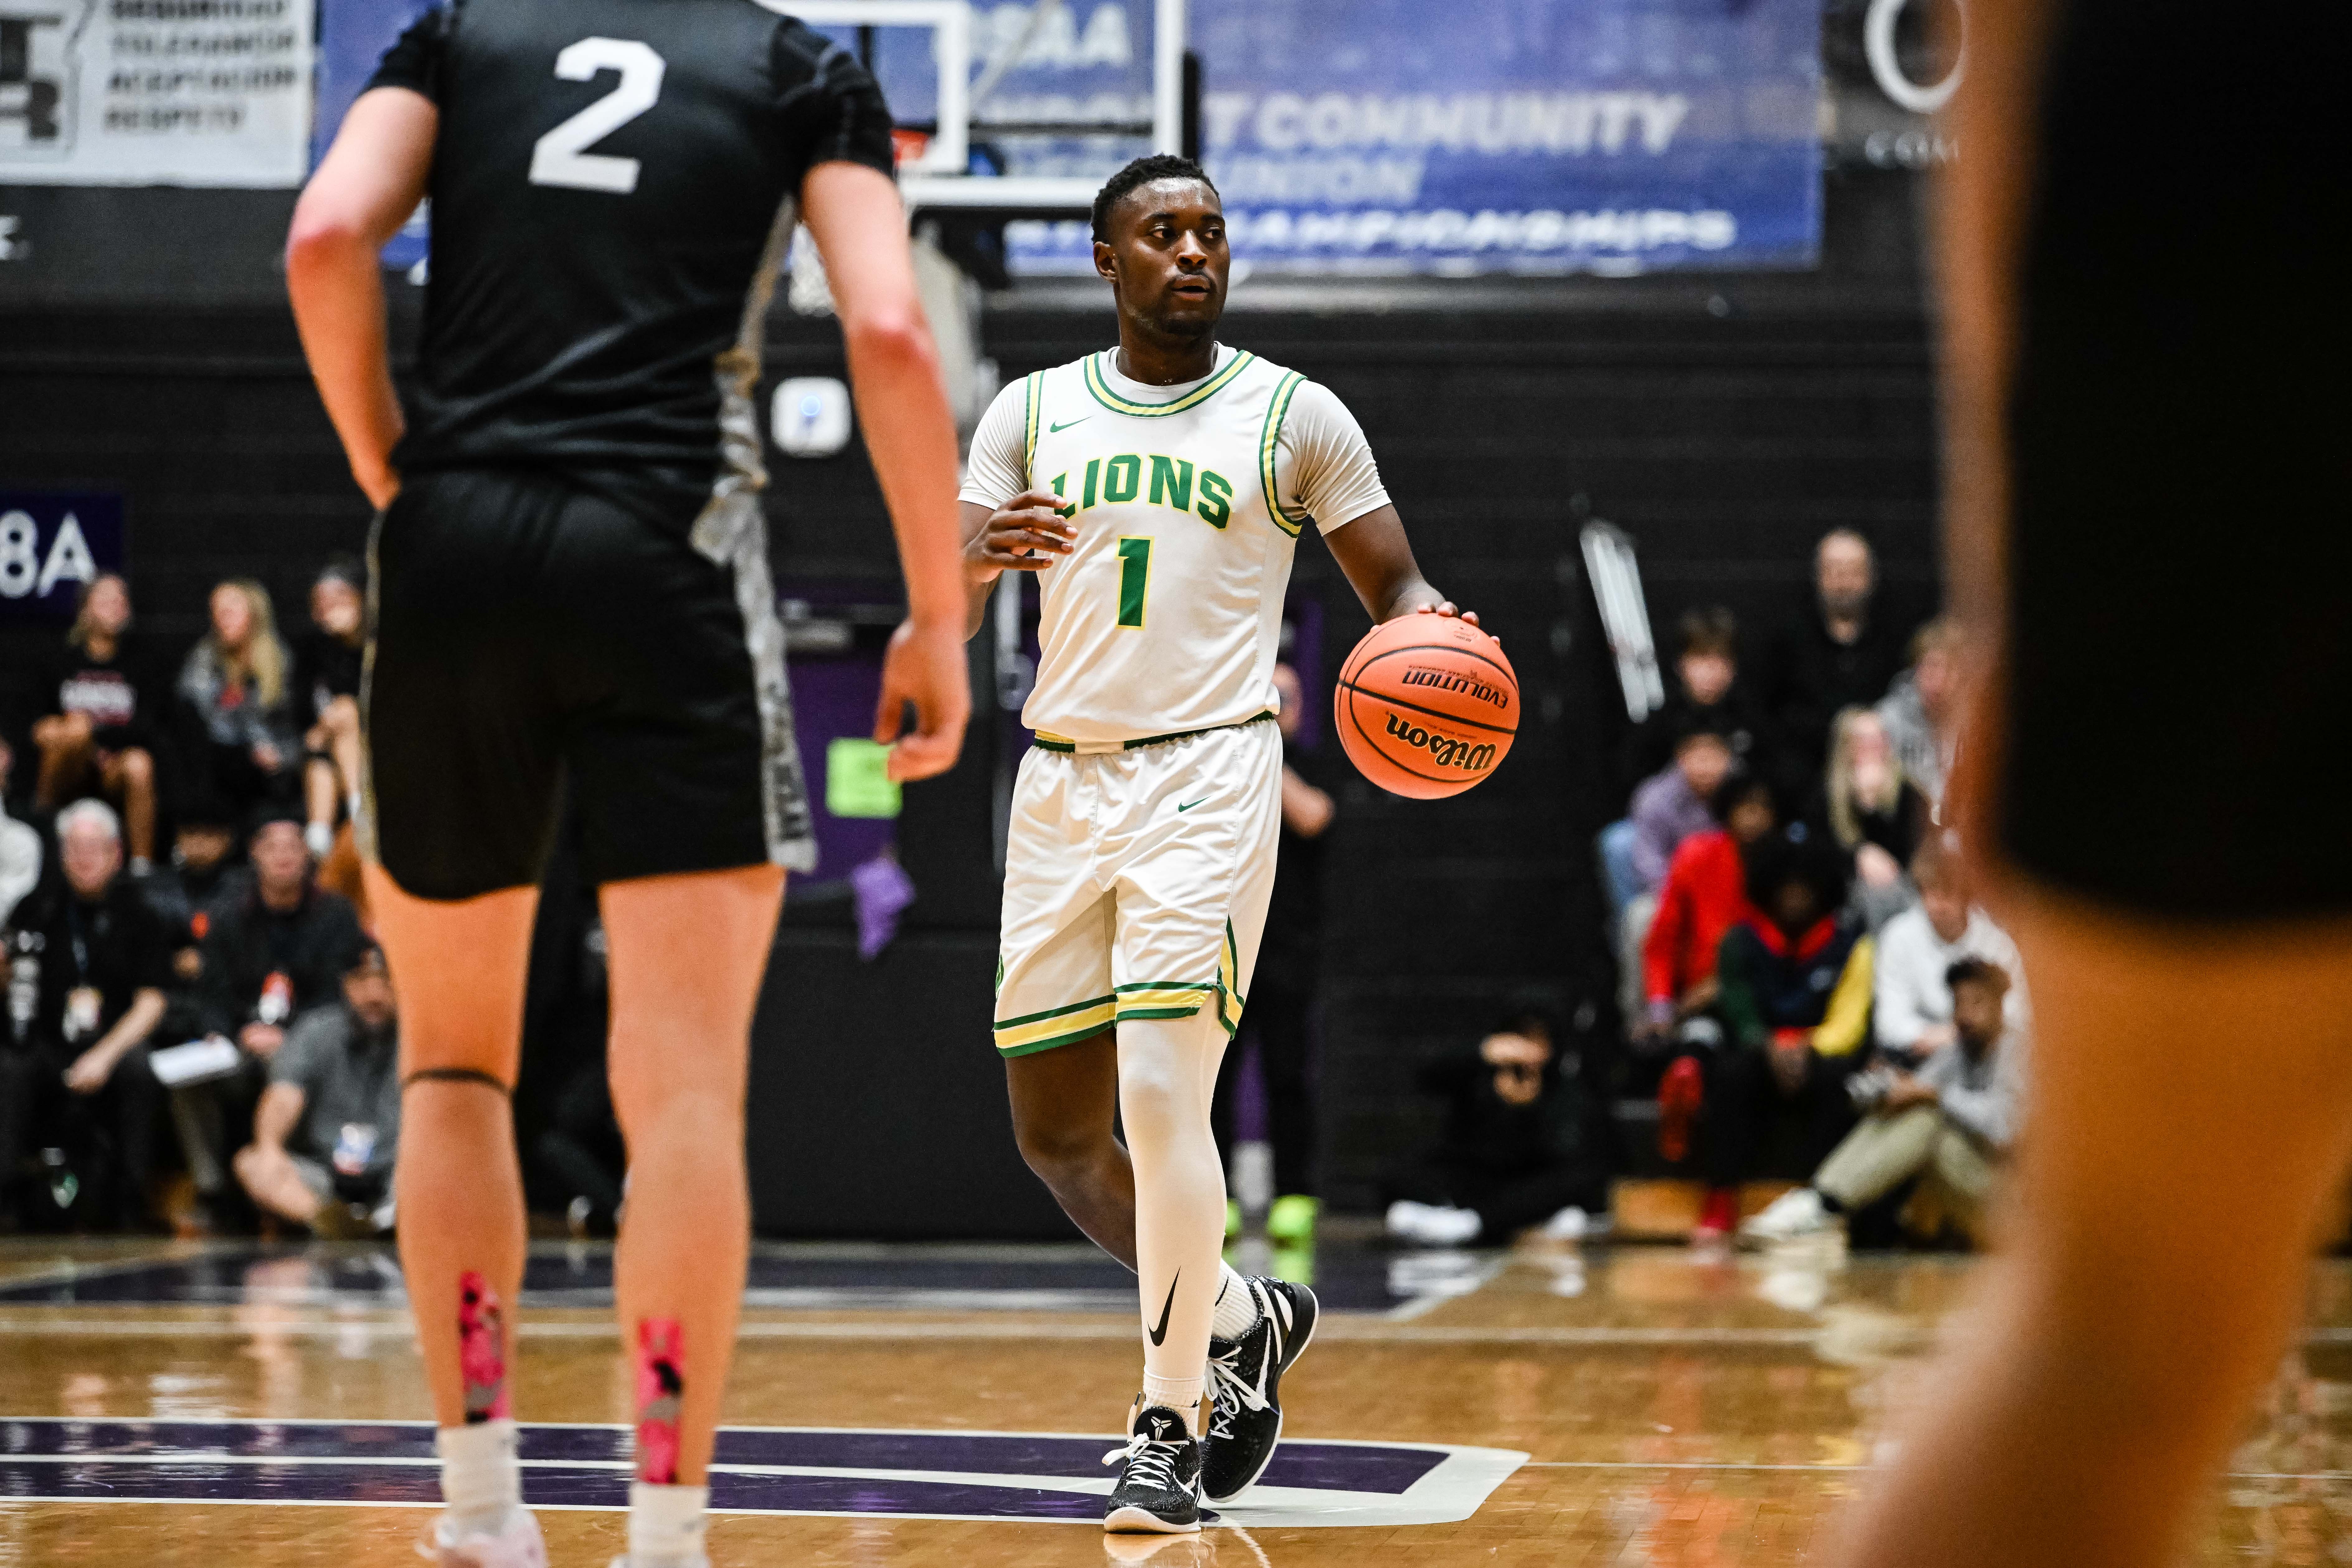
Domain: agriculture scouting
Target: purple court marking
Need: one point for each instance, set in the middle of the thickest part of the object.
(1043, 1477)
(1320, 1466)
(1346, 1279)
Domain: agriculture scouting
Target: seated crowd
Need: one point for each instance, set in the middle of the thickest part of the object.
(1793, 923)
(1810, 995)
(207, 1039)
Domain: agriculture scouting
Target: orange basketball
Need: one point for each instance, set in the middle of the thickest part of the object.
(1427, 706)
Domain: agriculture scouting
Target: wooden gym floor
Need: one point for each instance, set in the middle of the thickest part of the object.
(1672, 1409)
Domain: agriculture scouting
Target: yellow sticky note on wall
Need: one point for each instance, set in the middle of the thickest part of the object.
(857, 781)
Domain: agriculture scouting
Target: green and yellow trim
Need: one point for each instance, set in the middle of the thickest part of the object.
(1277, 409)
(1230, 1000)
(1032, 405)
(1058, 1026)
(1163, 999)
(1099, 384)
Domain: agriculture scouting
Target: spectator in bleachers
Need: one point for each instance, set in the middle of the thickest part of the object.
(327, 686)
(281, 948)
(277, 950)
(1707, 694)
(1672, 804)
(205, 871)
(1836, 653)
(20, 848)
(1917, 950)
(96, 732)
(1794, 979)
(328, 1124)
(104, 964)
(1670, 807)
(1917, 711)
(1948, 1125)
(238, 737)
(1706, 893)
(1282, 997)
(1517, 1150)
(1874, 814)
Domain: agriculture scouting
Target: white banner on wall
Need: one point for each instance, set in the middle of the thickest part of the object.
(155, 92)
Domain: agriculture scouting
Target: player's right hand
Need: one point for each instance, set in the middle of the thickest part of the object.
(925, 667)
(1027, 533)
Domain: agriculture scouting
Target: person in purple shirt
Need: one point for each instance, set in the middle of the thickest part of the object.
(1670, 805)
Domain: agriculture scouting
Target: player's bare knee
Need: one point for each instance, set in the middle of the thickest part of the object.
(1062, 1145)
(138, 769)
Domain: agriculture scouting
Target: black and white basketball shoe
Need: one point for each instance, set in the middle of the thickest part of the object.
(1245, 1385)
(1159, 1489)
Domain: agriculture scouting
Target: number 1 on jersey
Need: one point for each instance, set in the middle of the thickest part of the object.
(1134, 581)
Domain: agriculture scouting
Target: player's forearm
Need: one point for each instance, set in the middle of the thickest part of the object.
(337, 288)
(902, 407)
(977, 593)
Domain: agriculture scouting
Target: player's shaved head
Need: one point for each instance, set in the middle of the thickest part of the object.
(1159, 239)
(1143, 171)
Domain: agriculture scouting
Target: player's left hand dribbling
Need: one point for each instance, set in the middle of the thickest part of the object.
(924, 666)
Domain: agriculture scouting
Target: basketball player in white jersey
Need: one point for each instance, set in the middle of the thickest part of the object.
(1159, 490)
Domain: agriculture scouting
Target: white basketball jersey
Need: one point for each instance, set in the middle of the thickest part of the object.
(1166, 616)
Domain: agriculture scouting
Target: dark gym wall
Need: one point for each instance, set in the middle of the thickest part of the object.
(1724, 421)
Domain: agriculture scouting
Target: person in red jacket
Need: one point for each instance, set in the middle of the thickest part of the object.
(1704, 895)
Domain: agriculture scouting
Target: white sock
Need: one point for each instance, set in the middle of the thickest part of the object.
(1167, 1076)
(1181, 1395)
(481, 1480)
(1236, 1311)
(666, 1525)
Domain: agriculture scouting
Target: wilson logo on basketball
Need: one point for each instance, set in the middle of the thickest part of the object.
(1446, 680)
(1471, 757)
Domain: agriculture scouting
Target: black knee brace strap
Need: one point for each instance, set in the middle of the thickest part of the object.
(456, 1075)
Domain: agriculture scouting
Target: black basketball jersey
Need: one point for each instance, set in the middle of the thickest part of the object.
(612, 189)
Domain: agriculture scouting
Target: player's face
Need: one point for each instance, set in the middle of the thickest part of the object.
(1168, 255)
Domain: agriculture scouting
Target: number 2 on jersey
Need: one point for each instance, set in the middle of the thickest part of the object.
(1134, 581)
(561, 156)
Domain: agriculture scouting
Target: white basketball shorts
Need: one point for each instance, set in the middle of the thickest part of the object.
(1136, 883)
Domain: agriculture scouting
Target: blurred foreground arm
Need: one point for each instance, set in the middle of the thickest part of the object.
(368, 184)
(860, 227)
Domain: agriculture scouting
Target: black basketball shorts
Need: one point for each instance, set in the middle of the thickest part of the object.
(2179, 669)
(525, 635)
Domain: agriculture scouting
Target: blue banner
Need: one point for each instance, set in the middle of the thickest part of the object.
(1534, 136)
(1380, 136)
(53, 544)
(353, 37)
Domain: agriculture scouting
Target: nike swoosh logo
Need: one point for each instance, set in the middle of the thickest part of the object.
(1161, 1333)
(1202, 801)
(1057, 429)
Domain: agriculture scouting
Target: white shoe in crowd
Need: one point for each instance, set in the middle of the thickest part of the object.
(1789, 1215)
(1572, 1224)
(516, 1545)
(1430, 1226)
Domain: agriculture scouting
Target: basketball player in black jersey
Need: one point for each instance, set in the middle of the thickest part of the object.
(2150, 484)
(571, 585)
